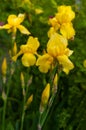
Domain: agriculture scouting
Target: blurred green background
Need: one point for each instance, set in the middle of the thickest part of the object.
(69, 107)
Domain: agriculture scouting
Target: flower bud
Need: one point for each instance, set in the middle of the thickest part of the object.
(29, 100)
(14, 49)
(55, 84)
(45, 95)
(22, 80)
(4, 67)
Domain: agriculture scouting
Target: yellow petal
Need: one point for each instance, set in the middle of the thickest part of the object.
(12, 19)
(51, 32)
(44, 68)
(33, 44)
(44, 62)
(66, 63)
(6, 26)
(68, 52)
(67, 30)
(15, 20)
(23, 30)
(38, 11)
(67, 11)
(21, 17)
(56, 45)
(28, 59)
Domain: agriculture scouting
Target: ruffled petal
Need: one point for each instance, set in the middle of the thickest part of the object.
(44, 62)
(28, 59)
(33, 44)
(67, 30)
(56, 45)
(67, 11)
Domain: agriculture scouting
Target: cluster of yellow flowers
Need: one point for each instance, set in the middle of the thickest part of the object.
(62, 22)
(57, 51)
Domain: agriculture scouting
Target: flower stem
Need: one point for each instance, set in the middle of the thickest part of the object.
(23, 113)
(4, 107)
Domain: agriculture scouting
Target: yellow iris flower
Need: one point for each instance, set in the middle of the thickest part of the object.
(56, 51)
(29, 51)
(62, 22)
(14, 23)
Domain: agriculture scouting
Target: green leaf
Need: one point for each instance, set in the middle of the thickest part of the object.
(10, 126)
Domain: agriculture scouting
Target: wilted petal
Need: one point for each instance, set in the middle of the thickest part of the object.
(28, 59)
(23, 30)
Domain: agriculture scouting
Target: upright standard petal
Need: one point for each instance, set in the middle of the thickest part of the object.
(32, 44)
(66, 10)
(56, 45)
(67, 30)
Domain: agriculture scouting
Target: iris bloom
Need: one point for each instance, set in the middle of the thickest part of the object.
(28, 51)
(62, 22)
(14, 23)
(57, 51)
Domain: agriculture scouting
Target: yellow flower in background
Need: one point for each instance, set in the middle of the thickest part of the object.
(63, 22)
(69, 14)
(57, 51)
(84, 63)
(38, 11)
(45, 95)
(29, 51)
(4, 67)
(14, 23)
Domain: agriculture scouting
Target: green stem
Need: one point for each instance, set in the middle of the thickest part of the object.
(23, 113)
(3, 117)
(41, 122)
(4, 108)
(24, 101)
